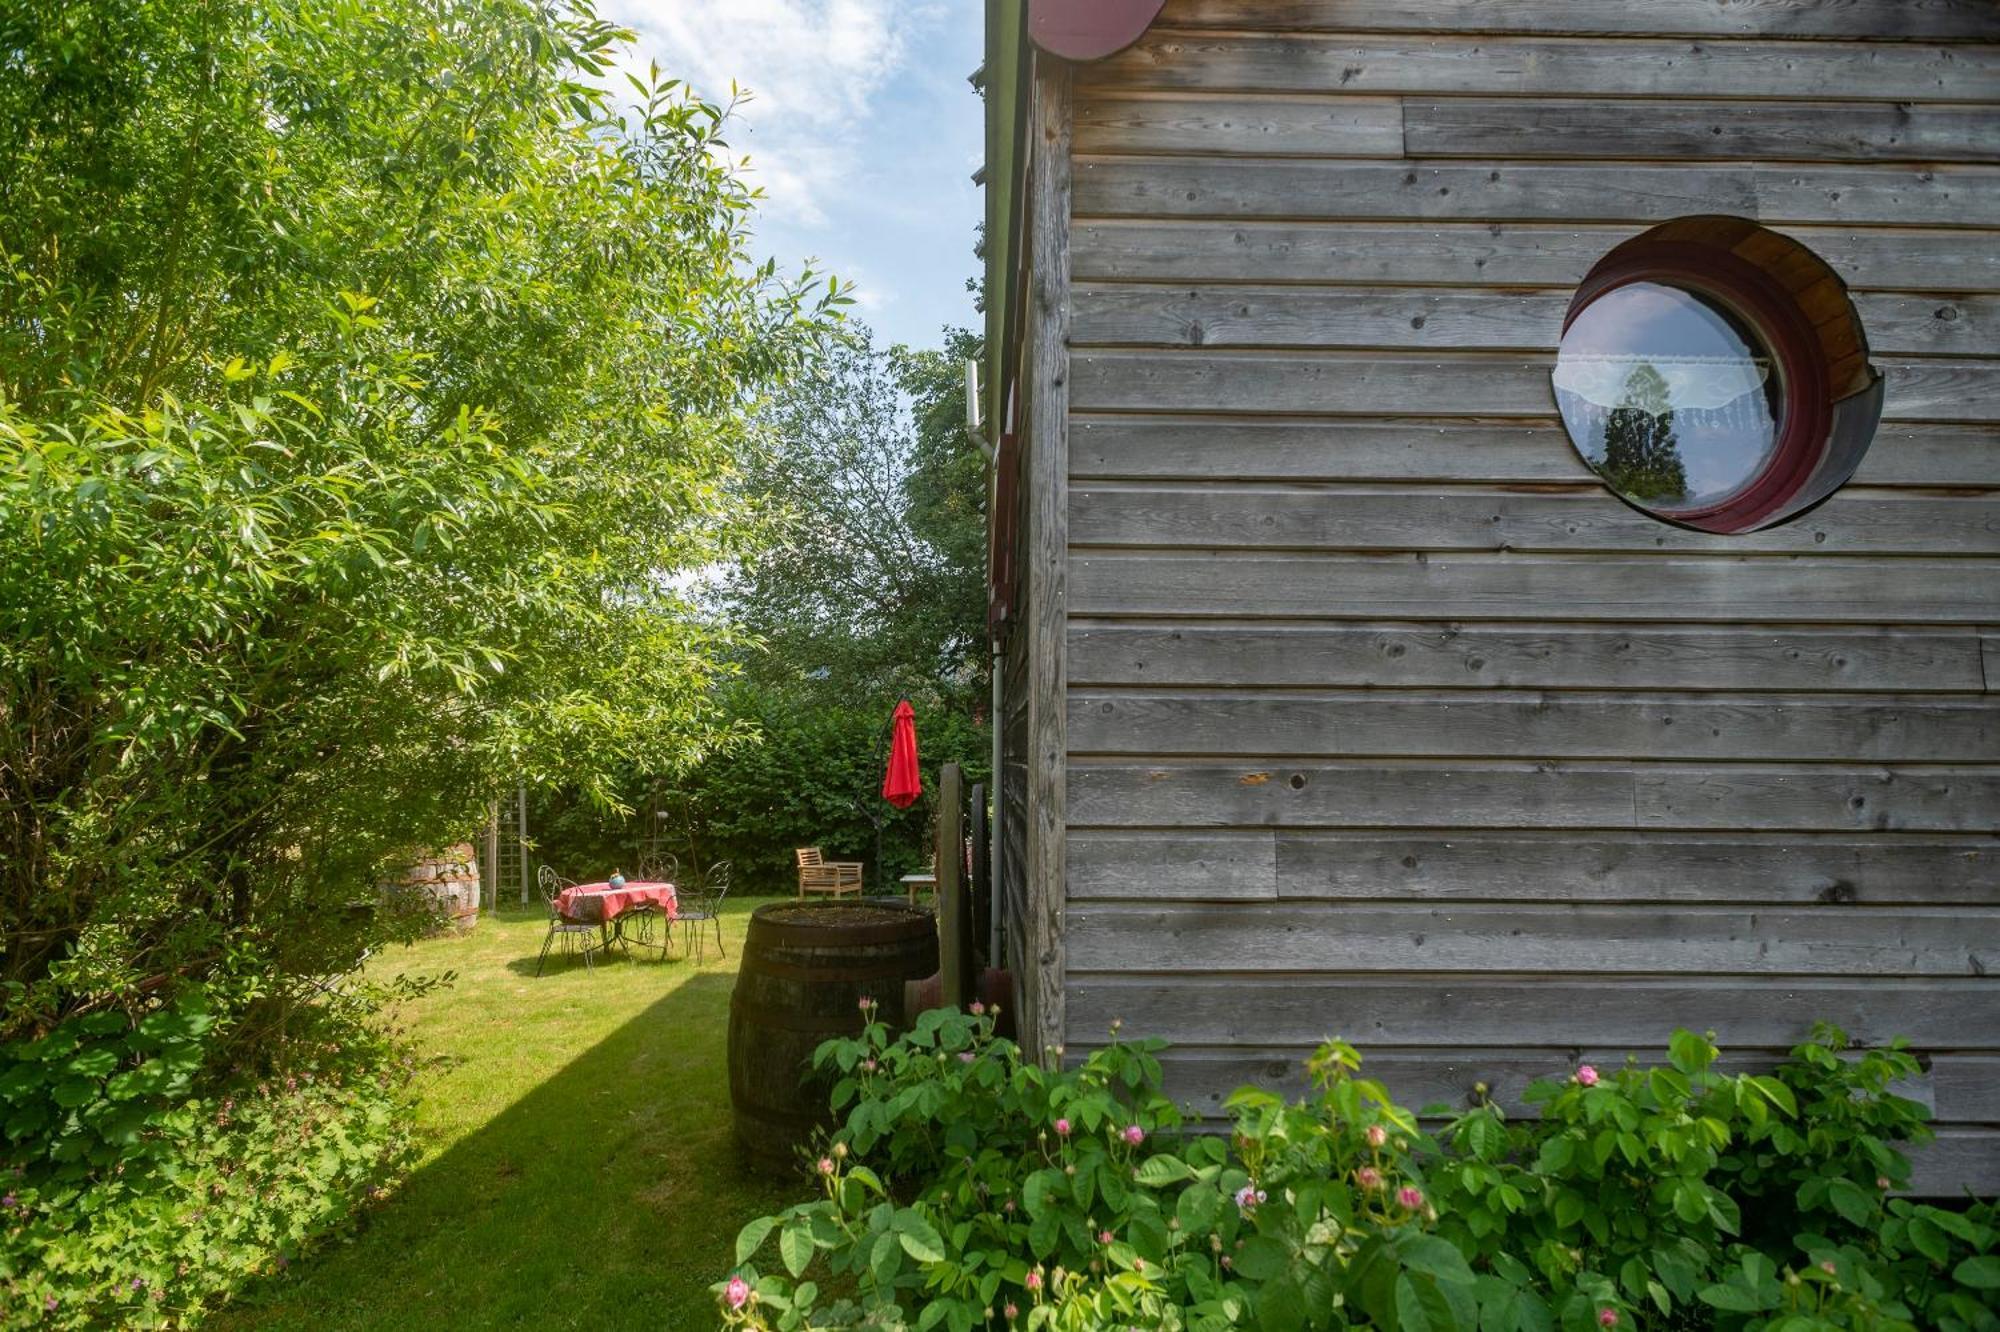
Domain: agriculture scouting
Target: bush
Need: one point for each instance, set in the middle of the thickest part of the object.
(147, 1207)
(806, 773)
(968, 1188)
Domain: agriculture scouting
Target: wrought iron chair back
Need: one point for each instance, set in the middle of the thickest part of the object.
(703, 906)
(571, 931)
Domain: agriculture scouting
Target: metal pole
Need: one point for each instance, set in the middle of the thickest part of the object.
(993, 838)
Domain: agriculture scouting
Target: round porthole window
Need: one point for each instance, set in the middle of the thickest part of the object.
(1713, 373)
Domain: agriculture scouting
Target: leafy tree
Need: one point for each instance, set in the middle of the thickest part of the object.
(366, 377)
(1640, 454)
(874, 584)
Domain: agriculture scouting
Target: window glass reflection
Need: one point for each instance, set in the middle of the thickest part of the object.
(1671, 399)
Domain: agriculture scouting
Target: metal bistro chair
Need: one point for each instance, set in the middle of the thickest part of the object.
(572, 932)
(705, 906)
(657, 867)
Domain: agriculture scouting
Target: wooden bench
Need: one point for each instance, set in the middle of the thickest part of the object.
(830, 877)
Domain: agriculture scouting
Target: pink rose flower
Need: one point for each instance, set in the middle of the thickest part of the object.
(1104, 1237)
(978, 1009)
(1376, 1135)
(1062, 1128)
(1368, 1177)
(1134, 1134)
(738, 1293)
(1607, 1318)
(1410, 1197)
(1012, 1311)
(965, 1056)
(866, 1003)
(826, 1165)
(1034, 1279)
(1588, 1077)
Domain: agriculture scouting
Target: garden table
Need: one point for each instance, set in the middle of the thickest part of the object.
(606, 907)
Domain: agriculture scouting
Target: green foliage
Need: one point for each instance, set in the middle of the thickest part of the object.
(208, 1192)
(366, 376)
(874, 583)
(967, 1189)
(370, 383)
(873, 589)
(805, 773)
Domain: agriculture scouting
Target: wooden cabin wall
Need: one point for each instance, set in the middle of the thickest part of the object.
(1385, 719)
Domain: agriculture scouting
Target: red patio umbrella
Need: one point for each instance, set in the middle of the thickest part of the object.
(901, 785)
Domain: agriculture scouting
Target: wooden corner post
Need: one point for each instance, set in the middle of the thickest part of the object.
(1046, 369)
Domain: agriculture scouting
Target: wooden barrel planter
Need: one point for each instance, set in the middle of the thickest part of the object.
(806, 968)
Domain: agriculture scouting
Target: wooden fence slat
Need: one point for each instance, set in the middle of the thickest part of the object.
(1897, 323)
(1571, 1012)
(1525, 451)
(1460, 64)
(1538, 724)
(1579, 193)
(1910, 20)
(1273, 126)
(1535, 587)
(1854, 522)
(1251, 864)
(1693, 130)
(1415, 793)
(1470, 254)
(1533, 937)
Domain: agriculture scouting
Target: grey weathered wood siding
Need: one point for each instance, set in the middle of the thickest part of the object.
(1384, 719)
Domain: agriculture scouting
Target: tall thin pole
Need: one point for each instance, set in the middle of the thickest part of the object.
(521, 836)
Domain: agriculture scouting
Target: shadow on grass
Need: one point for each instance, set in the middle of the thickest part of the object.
(679, 949)
(608, 1196)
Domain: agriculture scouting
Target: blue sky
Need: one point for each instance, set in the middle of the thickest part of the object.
(862, 130)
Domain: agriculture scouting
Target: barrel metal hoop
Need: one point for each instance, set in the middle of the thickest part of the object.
(890, 969)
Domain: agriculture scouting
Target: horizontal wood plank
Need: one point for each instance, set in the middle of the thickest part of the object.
(1457, 384)
(1262, 864)
(1961, 1161)
(1468, 254)
(1575, 1012)
(1245, 516)
(1416, 793)
(1658, 130)
(1537, 725)
(1960, 1090)
(1889, 20)
(1527, 451)
(1461, 64)
(1576, 193)
(1269, 126)
(1414, 938)
(1534, 587)
(1559, 656)
(1897, 323)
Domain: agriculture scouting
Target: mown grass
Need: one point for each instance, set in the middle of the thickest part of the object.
(578, 1168)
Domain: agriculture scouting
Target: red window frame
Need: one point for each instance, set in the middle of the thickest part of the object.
(1774, 314)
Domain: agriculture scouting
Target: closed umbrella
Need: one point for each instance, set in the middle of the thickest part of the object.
(901, 785)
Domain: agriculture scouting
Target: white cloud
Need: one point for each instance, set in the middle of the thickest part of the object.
(813, 68)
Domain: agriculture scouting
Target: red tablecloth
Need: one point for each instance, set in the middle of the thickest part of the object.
(600, 902)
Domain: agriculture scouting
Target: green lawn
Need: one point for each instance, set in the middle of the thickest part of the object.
(578, 1166)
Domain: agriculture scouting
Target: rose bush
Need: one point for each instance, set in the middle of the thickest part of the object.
(969, 1187)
